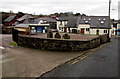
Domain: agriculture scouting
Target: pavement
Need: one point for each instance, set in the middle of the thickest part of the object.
(26, 62)
(102, 62)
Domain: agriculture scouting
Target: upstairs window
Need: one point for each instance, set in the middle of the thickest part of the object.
(86, 22)
(60, 22)
(102, 22)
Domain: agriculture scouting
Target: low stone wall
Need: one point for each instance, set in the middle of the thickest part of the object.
(61, 44)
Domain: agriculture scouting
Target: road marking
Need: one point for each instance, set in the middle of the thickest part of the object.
(75, 61)
(85, 54)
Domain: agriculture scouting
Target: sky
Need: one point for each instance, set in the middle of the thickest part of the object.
(89, 7)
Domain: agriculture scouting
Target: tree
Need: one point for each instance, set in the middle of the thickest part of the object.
(20, 14)
(77, 14)
(83, 14)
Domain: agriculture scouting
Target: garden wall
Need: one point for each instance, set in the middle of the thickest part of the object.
(61, 44)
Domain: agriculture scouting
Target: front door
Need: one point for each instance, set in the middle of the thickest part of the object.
(82, 31)
(65, 29)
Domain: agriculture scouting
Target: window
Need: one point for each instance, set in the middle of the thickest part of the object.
(60, 22)
(87, 29)
(89, 19)
(62, 28)
(99, 19)
(104, 19)
(86, 22)
(102, 22)
(105, 31)
(59, 28)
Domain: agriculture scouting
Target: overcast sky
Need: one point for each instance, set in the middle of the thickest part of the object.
(89, 7)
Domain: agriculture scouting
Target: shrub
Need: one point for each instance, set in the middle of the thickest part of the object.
(66, 36)
(50, 34)
(57, 35)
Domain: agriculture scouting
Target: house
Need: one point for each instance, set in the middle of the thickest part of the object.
(25, 19)
(38, 28)
(118, 28)
(114, 26)
(48, 20)
(32, 28)
(28, 24)
(67, 24)
(62, 24)
(10, 20)
(96, 25)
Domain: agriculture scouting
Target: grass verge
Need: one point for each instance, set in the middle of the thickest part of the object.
(12, 44)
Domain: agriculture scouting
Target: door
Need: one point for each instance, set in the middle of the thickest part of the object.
(65, 29)
(82, 31)
(39, 29)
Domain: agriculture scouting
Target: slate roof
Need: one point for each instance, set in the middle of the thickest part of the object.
(95, 21)
(36, 21)
(72, 21)
(63, 18)
(24, 17)
(10, 18)
(48, 19)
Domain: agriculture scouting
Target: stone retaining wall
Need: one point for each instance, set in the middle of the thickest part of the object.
(61, 44)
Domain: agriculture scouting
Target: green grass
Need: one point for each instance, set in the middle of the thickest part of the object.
(13, 44)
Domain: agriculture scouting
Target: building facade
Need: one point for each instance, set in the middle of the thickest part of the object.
(96, 25)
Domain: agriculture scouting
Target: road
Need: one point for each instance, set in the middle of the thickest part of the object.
(26, 62)
(102, 62)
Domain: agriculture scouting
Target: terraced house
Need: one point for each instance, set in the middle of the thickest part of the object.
(96, 25)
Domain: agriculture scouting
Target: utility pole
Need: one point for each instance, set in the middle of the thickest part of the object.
(109, 23)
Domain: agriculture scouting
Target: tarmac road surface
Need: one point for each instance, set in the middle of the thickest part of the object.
(101, 63)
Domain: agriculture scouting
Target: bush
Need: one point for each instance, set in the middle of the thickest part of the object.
(66, 36)
(57, 35)
(50, 34)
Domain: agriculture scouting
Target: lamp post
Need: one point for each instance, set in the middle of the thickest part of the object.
(109, 23)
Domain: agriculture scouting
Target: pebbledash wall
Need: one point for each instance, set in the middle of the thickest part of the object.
(61, 44)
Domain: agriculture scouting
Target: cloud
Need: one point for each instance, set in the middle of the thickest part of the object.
(90, 7)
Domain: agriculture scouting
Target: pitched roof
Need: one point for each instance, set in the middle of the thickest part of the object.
(24, 17)
(10, 18)
(48, 19)
(63, 18)
(72, 21)
(95, 21)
